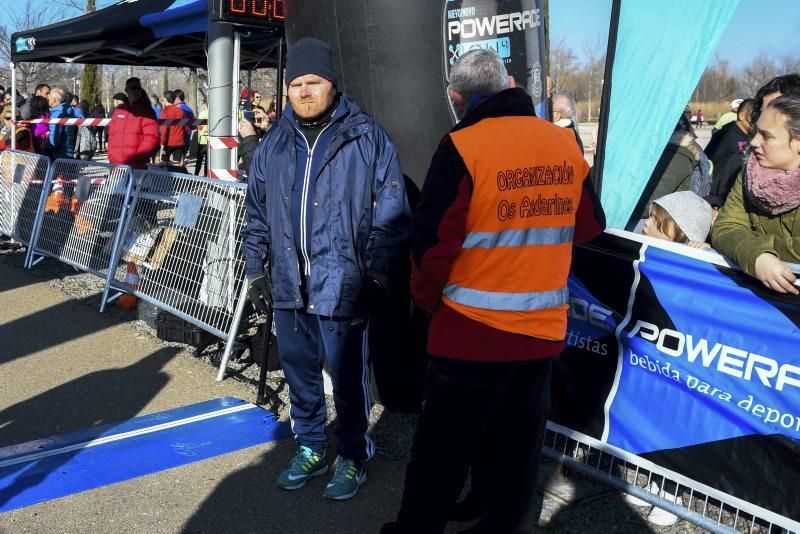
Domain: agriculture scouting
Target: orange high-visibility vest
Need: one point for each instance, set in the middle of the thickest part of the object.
(511, 273)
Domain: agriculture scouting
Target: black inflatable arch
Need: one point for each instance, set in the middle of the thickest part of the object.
(392, 56)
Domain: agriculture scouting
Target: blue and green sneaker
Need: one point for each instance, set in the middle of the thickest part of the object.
(305, 464)
(346, 480)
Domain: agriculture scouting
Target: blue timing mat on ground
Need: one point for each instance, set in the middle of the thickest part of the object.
(70, 463)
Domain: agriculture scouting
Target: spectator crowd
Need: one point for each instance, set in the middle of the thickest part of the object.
(137, 134)
(328, 214)
(741, 193)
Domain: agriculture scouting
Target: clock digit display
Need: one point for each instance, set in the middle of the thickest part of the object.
(258, 13)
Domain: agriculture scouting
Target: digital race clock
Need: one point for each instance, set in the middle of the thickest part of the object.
(264, 13)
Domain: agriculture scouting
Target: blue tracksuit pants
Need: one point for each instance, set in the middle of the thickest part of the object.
(307, 342)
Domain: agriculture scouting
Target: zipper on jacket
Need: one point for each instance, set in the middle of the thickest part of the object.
(304, 198)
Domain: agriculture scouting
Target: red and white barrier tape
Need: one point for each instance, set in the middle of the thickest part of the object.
(105, 122)
(62, 180)
(214, 143)
(223, 142)
(224, 174)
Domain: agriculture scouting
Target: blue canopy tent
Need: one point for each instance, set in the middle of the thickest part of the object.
(159, 33)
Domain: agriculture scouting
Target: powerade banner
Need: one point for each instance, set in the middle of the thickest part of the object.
(693, 366)
(512, 28)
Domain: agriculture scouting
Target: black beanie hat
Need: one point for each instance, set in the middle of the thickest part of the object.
(310, 56)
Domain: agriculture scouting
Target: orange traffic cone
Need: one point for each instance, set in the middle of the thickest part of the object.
(132, 280)
(57, 199)
(82, 224)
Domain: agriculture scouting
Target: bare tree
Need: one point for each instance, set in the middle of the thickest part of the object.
(30, 17)
(563, 65)
(758, 72)
(594, 52)
(790, 64)
(718, 83)
(74, 8)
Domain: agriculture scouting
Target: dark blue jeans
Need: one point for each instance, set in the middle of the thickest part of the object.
(307, 342)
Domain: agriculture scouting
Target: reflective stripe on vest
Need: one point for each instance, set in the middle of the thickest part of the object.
(495, 300)
(520, 238)
(511, 273)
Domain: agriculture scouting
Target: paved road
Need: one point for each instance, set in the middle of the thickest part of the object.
(588, 133)
(65, 367)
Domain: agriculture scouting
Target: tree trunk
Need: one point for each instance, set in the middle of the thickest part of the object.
(165, 82)
(191, 90)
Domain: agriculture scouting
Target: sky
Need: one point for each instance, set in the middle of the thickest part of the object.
(579, 22)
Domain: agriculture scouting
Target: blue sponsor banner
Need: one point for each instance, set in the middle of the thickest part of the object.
(726, 365)
(687, 363)
(589, 321)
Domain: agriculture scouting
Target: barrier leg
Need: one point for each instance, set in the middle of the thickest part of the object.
(125, 216)
(37, 222)
(262, 376)
(33, 263)
(233, 332)
(128, 300)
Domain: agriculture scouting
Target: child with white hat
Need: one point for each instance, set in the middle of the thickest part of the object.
(681, 217)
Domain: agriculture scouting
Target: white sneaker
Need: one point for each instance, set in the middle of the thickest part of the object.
(636, 501)
(659, 516)
(662, 518)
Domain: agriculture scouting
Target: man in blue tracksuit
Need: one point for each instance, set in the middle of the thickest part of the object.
(327, 209)
(60, 141)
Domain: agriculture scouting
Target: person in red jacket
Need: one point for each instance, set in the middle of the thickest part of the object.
(173, 136)
(133, 131)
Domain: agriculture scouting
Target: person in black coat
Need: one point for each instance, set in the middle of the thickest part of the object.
(726, 152)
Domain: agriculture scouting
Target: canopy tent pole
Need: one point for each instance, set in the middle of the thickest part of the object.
(197, 103)
(220, 52)
(237, 57)
(605, 99)
(13, 105)
(279, 80)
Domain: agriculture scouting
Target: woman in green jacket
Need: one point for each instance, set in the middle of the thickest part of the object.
(759, 225)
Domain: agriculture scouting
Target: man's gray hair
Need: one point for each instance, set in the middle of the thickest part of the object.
(563, 104)
(478, 71)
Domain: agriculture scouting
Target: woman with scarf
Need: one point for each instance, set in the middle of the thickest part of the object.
(23, 133)
(759, 225)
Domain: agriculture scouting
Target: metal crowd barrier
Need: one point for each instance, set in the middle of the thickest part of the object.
(22, 178)
(181, 250)
(78, 222)
(698, 503)
(175, 241)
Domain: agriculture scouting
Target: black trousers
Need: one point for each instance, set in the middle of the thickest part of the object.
(202, 151)
(494, 411)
